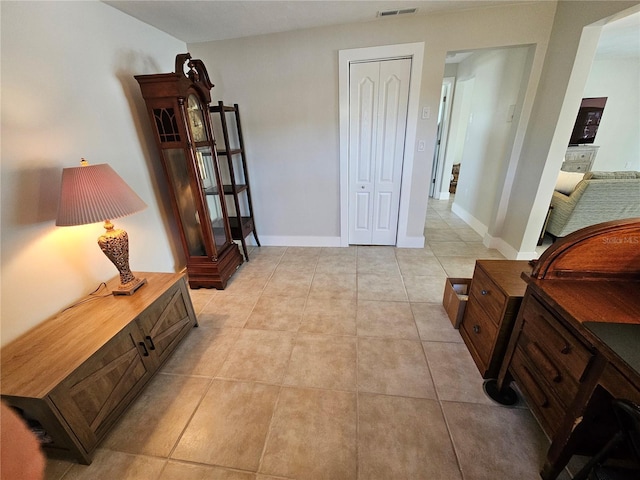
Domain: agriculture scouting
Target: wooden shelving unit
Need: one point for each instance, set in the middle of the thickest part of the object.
(235, 177)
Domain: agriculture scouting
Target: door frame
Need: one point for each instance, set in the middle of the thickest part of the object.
(415, 51)
(439, 188)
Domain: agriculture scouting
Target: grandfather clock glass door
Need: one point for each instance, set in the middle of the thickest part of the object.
(208, 173)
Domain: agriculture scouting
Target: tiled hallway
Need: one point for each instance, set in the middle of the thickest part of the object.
(325, 363)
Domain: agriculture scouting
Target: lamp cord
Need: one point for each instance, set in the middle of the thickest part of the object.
(92, 296)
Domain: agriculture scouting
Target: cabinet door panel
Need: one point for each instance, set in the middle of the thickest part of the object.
(165, 323)
(93, 396)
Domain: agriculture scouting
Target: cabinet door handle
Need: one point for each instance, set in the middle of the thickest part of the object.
(566, 349)
(151, 344)
(476, 329)
(144, 348)
(483, 292)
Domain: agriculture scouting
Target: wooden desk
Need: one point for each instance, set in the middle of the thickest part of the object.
(72, 376)
(576, 340)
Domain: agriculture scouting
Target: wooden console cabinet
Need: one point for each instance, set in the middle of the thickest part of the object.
(72, 376)
(496, 292)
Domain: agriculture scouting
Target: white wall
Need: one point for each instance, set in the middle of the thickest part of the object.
(572, 46)
(287, 87)
(497, 78)
(619, 132)
(68, 92)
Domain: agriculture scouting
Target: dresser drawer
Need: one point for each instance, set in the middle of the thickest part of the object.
(480, 332)
(581, 166)
(488, 295)
(553, 346)
(545, 405)
(550, 373)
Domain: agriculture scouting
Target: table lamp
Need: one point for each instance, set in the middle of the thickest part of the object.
(95, 193)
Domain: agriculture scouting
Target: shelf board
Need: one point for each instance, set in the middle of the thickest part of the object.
(225, 108)
(228, 189)
(240, 229)
(233, 151)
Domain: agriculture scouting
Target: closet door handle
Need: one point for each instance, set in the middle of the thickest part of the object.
(151, 344)
(144, 348)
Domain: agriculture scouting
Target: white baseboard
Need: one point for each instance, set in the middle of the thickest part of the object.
(527, 255)
(503, 247)
(411, 242)
(290, 241)
(470, 220)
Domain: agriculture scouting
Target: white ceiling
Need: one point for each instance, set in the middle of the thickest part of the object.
(203, 21)
(195, 21)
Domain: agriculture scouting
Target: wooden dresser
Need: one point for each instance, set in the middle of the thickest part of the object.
(576, 342)
(495, 295)
(72, 376)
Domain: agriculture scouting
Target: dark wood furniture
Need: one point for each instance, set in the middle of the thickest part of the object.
(455, 172)
(235, 177)
(178, 107)
(576, 342)
(495, 295)
(72, 376)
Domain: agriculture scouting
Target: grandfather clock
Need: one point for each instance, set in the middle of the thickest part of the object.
(178, 106)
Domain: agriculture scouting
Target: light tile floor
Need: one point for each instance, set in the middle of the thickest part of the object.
(325, 363)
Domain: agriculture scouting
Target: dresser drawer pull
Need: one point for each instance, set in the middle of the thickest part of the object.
(566, 349)
(544, 362)
(538, 395)
(476, 329)
(484, 292)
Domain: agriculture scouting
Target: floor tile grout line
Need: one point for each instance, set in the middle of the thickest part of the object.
(188, 422)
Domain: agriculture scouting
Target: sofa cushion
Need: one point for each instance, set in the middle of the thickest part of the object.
(567, 181)
(610, 175)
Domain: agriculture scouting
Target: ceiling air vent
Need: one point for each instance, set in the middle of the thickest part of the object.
(390, 13)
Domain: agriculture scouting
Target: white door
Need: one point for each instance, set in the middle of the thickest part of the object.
(378, 100)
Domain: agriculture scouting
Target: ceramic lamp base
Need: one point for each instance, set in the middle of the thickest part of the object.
(115, 245)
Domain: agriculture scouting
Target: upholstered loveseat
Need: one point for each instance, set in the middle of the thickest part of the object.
(598, 197)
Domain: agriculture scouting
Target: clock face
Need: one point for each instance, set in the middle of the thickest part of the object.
(196, 119)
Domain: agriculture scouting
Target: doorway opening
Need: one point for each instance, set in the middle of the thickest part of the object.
(488, 93)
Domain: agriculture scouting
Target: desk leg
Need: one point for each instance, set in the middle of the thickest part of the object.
(502, 394)
(565, 439)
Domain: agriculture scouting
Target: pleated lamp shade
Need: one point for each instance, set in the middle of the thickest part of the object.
(94, 193)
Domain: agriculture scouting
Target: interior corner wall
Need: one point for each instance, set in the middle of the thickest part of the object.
(618, 135)
(68, 92)
(286, 85)
(550, 124)
(497, 75)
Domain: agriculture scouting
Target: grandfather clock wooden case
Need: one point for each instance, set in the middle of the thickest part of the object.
(178, 106)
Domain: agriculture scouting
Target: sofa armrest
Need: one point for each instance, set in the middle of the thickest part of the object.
(563, 206)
